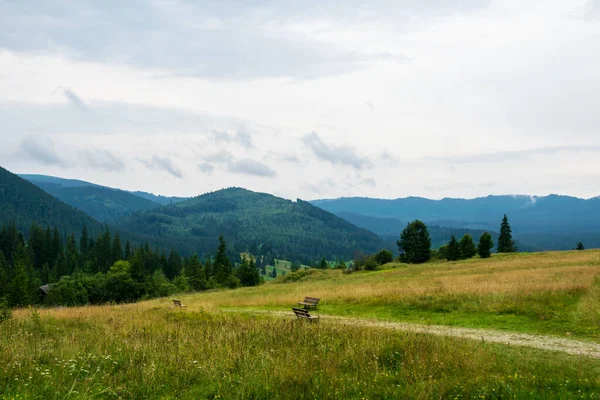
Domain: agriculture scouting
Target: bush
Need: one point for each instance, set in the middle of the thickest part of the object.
(384, 257)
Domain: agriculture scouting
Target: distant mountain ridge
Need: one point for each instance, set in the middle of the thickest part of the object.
(103, 203)
(551, 222)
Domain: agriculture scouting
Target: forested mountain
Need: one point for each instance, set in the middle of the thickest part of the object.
(257, 222)
(543, 223)
(101, 202)
(24, 203)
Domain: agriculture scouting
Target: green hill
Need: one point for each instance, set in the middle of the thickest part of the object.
(257, 222)
(25, 203)
(101, 202)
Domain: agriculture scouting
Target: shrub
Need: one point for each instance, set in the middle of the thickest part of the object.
(384, 257)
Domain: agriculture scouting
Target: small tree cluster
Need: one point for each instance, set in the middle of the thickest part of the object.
(465, 248)
(371, 262)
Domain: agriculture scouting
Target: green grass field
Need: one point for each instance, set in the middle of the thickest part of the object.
(151, 350)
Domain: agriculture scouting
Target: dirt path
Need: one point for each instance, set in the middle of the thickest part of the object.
(549, 343)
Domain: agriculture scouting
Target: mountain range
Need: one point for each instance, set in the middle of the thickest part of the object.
(330, 227)
(539, 222)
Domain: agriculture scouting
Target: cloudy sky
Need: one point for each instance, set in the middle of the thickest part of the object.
(309, 99)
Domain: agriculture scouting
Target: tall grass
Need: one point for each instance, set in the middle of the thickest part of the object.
(550, 293)
(159, 352)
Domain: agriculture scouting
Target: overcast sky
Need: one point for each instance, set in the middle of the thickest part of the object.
(309, 99)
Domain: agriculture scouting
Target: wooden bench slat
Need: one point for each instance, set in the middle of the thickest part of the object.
(302, 313)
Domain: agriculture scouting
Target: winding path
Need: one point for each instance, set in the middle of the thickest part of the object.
(543, 342)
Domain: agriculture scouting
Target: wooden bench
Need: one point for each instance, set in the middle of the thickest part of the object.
(302, 313)
(177, 303)
(309, 302)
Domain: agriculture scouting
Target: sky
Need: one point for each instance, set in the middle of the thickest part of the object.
(305, 99)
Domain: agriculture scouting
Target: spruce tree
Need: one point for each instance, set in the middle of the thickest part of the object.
(486, 244)
(127, 250)
(117, 249)
(18, 292)
(4, 275)
(414, 245)
(222, 265)
(580, 246)
(173, 265)
(195, 273)
(467, 247)
(505, 242)
(453, 249)
(323, 263)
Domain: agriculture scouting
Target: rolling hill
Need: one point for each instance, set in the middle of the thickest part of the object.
(25, 203)
(101, 202)
(257, 222)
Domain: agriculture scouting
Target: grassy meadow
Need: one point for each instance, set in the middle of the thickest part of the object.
(151, 350)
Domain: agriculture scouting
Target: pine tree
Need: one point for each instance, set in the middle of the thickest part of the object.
(274, 273)
(4, 275)
(580, 246)
(295, 266)
(84, 241)
(467, 247)
(323, 263)
(173, 265)
(18, 292)
(415, 243)
(248, 273)
(222, 265)
(505, 242)
(195, 273)
(117, 249)
(453, 249)
(486, 244)
(128, 250)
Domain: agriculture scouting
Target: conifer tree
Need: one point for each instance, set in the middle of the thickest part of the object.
(580, 246)
(467, 247)
(4, 275)
(117, 249)
(323, 263)
(248, 273)
(195, 273)
(453, 249)
(486, 244)
(414, 245)
(222, 265)
(128, 250)
(18, 292)
(274, 273)
(84, 241)
(173, 265)
(505, 242)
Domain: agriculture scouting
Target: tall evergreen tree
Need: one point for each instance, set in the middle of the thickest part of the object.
(19, 291)
(486, 244)
(467, 247)
(84, 241)
(222, 265)
(128, 250)
(195, 273)
(580, 246)
(71, 255)
(415, 243)
(453, 249)
(4, 276)
(248, 273)
(505, 242)
(117, 249)
(173, 265)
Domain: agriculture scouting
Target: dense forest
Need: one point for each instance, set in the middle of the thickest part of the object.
(85, 270)
(293, 230)
(24, 203)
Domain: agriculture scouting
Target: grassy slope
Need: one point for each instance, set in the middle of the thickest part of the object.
(152, 350)
(553, 293)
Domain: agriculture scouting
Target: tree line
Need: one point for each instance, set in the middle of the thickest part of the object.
(102, 269)
(414, 245)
